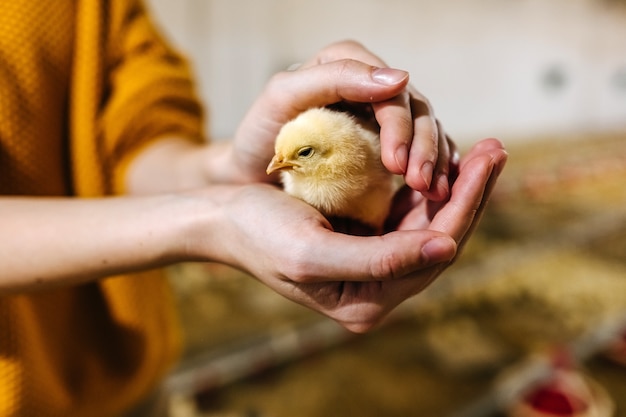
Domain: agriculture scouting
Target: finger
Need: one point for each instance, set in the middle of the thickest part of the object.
(347, 49)
(424, 148)
(458, 214)
(440, 186)
(339, 257)
(396, 132)
(292, 92)
(470, 192)
(409, 138)
(490, 146)
(454, 162)
(499, 158)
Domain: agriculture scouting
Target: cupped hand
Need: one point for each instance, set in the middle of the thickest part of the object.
(412, 142)
(356, 280)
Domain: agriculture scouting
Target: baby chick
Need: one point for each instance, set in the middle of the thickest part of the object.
(331, 160)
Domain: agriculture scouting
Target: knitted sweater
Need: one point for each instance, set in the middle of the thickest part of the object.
(84, 85)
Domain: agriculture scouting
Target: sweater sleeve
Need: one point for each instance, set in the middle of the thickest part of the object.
(148, 89)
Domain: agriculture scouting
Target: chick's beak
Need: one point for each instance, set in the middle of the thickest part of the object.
(277, 163)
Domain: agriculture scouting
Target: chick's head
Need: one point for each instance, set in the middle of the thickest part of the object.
(320, 144)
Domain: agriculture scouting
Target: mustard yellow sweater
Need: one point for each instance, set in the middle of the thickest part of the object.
(84, 84)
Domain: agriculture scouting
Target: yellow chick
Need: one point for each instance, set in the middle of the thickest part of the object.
(331, 160)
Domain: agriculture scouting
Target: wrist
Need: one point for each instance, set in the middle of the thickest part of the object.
(226, 164)
(199, 233)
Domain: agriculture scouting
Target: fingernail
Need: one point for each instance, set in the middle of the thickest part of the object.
(402, 158)
(427, 173)
(439, 249)
(500, 166)
(443, 184)
(389, 76)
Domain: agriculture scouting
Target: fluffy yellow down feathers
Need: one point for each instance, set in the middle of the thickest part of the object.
(332, 161)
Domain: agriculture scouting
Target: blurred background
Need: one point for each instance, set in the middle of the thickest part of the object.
(544, 277)
(508, 68)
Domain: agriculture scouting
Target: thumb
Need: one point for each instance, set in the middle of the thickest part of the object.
(344, 80)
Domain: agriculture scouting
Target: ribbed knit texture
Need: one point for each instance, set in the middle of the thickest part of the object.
(84, 85)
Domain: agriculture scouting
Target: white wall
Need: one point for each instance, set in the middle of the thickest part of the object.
(504, 68)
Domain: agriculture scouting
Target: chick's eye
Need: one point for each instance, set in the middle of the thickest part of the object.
(305, 152)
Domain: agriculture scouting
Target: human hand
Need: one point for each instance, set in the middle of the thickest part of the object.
(355, 280)
(412, 141)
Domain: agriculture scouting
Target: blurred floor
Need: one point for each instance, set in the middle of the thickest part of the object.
(546, 265)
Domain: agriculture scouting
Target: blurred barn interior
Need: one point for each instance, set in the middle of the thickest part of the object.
(543, 278)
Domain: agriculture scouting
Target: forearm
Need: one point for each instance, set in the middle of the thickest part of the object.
(49, 242)
(172, 164)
